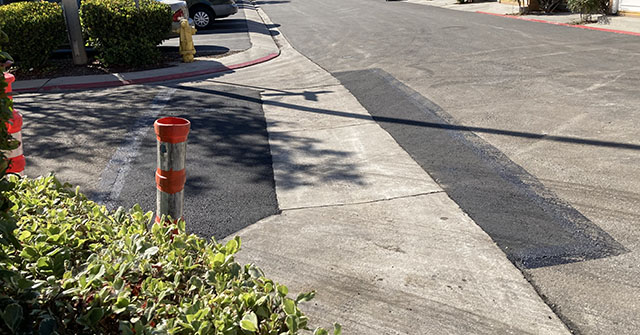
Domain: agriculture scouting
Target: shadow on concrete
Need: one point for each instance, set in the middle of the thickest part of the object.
(529, 222)
(312, 95)
(225, 26)
(308, 95)
(272, 2)
(550, 232)
(295, 175)
(446, 126)
(201, 50)
(231, 26)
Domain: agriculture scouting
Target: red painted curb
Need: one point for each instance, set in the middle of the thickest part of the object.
(115, 83)
(562, 24)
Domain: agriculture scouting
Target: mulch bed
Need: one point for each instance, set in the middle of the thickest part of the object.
(62, 66)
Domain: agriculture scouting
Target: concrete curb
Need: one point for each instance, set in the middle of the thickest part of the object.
(562, 24)
(263, 48)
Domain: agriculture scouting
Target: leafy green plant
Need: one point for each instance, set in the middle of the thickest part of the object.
(123, 34)
(587, 8)
(83, 269)
(35, 29)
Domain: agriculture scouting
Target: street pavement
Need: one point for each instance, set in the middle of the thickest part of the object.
(391, 156)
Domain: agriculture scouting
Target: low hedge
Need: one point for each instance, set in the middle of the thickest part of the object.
(124, 35)
(35, 29)
(83, 269)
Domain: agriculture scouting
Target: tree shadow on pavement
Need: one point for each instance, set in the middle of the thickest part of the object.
(235, 143)
(74, 133)
(230, 182)
(307, 94)
(272, 2)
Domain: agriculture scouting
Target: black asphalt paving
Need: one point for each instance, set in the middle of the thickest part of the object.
(230, 181)
(230, 185)
(531, 225)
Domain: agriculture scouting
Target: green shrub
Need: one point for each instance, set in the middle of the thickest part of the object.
(83, 269)
(586, 8)
(35, 29)
(124, 35)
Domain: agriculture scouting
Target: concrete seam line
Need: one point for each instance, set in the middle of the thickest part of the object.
(327, 128)
(364, 202)
(112, 178)
(581, 26)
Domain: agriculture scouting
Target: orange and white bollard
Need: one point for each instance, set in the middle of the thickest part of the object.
(171, 133)
(17, 161)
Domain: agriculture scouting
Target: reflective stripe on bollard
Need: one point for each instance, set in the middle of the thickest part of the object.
(171, 133)
(16, 157)
(9, 78)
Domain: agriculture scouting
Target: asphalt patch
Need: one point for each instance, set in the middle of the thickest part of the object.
(532, 226)
(230, 182)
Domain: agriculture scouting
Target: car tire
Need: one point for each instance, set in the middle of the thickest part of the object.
(202, 17)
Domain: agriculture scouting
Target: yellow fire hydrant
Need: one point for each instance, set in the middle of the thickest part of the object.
(187, 50)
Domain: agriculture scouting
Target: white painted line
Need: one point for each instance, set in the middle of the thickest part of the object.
(113, 176)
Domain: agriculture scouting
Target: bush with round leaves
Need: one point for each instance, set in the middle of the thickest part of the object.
(34, 28)
(123, 34)
(82, 269)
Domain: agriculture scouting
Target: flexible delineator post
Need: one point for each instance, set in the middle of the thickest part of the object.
(17, 161)
(171, 133)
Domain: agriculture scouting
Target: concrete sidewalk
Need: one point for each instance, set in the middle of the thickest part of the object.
(387, 251)
(620, 24)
